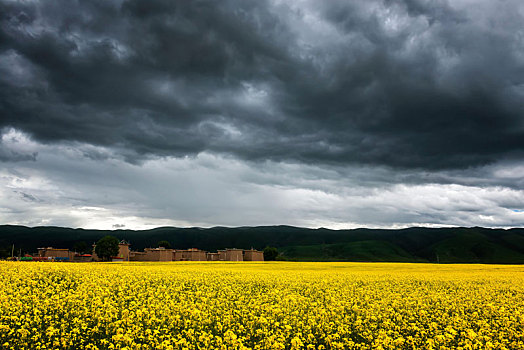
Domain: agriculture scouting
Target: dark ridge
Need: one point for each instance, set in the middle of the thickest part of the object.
(415, 244)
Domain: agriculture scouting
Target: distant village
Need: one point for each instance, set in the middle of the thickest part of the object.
(149, 254)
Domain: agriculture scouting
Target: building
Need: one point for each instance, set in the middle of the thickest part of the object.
(55, 253)
(234, 254)
(253, 255)
(83, 257)
(212, 256)
(123, 250)
(191, 254)
(221, 255)
(137, 256)
(152, 254)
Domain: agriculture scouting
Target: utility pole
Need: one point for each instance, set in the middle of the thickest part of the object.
(13, 252)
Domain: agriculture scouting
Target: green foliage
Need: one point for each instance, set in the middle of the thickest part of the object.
(164, 244)
(107, 247)
(81, 247)
(270, 253)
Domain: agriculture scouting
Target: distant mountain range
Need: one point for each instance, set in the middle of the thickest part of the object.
(416, 244)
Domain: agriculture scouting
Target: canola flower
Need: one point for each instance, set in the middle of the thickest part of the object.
(280, 305)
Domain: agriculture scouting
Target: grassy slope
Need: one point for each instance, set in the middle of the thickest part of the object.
(354, 251)
(476, 247)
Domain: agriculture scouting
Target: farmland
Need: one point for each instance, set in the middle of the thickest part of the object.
(280, 305)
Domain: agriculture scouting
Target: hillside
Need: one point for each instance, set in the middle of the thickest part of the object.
(447, 245)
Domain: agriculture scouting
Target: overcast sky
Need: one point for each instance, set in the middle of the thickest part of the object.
(341, 114)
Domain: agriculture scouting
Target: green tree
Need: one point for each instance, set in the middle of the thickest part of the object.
(270, 253)
(164, 244)
(107, 247)
(80, 247)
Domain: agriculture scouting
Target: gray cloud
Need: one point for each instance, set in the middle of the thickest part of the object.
(74, 190)
(67, 186)
(413, 84)
(13, 149)
(27, 197)
(341, 114)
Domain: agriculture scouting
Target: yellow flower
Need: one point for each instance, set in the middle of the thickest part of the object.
(271, 305)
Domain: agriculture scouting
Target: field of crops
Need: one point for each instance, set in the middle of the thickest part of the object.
(260, 306)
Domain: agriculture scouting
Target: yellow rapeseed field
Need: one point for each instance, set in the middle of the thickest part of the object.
(280, 305)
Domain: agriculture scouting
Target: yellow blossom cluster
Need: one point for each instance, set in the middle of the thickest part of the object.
(267, 305)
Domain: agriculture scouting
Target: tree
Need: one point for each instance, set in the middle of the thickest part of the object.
(270, 253)
(80, 247)
(164, 244)
(107, 247)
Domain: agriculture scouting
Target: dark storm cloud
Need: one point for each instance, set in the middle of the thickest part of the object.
(411, 84)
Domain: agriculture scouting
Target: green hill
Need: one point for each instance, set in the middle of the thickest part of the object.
(353, 251)
(416, 244)
(477, 248)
